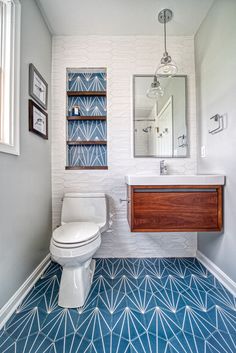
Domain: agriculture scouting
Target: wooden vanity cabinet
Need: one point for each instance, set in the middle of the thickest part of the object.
(175, 208)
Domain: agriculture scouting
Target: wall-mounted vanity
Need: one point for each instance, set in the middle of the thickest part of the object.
(175, 203)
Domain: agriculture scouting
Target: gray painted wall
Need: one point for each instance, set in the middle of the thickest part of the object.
(25, 180)
(215, 49)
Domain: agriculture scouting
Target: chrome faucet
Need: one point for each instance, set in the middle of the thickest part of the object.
(163, 167)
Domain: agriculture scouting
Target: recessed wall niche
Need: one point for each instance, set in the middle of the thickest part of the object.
(86, 118)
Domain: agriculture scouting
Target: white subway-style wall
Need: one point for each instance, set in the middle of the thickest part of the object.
(123, 57)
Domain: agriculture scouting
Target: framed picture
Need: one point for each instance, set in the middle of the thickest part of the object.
(38, 87)
(38, 120)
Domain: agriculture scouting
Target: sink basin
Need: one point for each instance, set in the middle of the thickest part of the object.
(152, 179)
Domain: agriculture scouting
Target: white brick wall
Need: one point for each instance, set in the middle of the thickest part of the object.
(123, 57)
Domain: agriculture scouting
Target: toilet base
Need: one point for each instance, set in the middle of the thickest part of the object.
(75, 284)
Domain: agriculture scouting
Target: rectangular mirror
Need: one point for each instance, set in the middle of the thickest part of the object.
(160, 128)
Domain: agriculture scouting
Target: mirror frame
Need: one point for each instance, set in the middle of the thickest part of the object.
(186, 118)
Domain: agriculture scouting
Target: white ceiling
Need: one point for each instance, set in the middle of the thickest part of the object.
(122, 17)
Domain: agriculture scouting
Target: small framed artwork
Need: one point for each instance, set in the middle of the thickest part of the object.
(38, 87)
(38, 120)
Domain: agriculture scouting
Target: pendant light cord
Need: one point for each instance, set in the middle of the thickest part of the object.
(165, 31)
(167, 66)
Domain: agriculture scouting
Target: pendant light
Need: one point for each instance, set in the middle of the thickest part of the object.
(167, 66)
(155, 89)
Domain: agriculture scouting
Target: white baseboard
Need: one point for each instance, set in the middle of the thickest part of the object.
(217, 272)
(12, 304)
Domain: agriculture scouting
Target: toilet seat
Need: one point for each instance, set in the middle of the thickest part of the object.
(75, 234)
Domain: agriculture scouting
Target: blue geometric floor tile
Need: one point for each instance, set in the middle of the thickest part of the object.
(93, 324)
(155, 268)
(31, 300)
(129, 324)
(142, 344)
(186, 343)
(176, 268)
(131, 268)
(141, 301)
(120, 344)
(101, 284)
(47, 284)
(223, 320)
(226, 321)
(196, 299)
(162, 324)
(36, 343)
(43, 288)
(222, 297)
(156, 344)
(135, 268)
(109, 268)
(111, 301)
(49, 301)
(176, 283)
(70, 344)
(7, 344)
(103, 268)
(59, 323)
(25, 323)
(195, 268)
(102, 344)
(125, 284)
(169, 300)
(197, 323)
(53, 269)
(148, 305)
(201, 283)
(150, 284)
(222, 342)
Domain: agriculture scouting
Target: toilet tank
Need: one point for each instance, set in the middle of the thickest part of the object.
(85, 207)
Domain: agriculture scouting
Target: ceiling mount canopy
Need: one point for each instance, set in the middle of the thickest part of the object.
(165, 16)
(167, 66)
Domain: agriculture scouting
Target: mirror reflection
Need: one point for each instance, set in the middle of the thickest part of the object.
(160, 116)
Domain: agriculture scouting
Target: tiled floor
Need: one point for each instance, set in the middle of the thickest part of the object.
(134, 306)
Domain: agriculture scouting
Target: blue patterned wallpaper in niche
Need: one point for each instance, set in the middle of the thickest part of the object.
(90, 156)
(87, 81)
(89, 106)
(86, 130)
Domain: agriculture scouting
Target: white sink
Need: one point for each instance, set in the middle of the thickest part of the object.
(152, 179)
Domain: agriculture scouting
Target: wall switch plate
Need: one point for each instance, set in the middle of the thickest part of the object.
(203, 151)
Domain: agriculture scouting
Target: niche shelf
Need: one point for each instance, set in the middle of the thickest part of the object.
(86, 132)
(86, 142)
(86, 118)
(86, 93)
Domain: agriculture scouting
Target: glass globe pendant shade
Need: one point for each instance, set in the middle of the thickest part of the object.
(155, 89)
(167, 66)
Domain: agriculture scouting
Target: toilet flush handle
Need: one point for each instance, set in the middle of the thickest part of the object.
(125, 200)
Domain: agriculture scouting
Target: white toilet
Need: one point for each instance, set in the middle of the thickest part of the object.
(83, 218)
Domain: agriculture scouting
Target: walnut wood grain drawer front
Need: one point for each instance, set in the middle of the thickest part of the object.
(175, 209)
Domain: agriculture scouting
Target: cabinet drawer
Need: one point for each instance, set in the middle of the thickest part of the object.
(175, 209)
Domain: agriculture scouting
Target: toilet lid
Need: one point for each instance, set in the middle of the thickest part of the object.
(75, 232)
